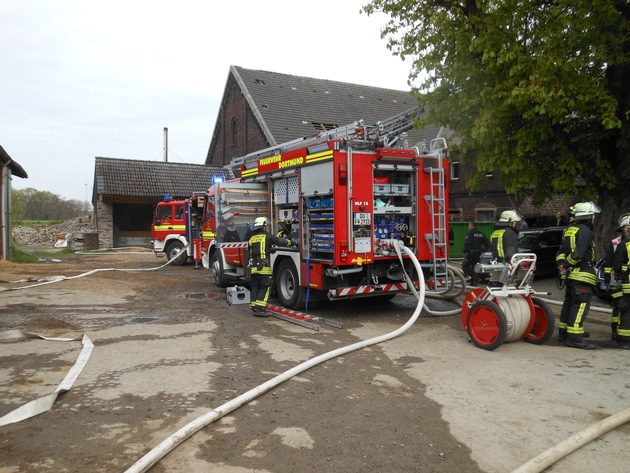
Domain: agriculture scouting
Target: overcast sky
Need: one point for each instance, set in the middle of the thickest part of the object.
(92, 78)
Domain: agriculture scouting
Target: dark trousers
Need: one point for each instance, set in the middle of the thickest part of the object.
(623, 329)
(260, 287)
(577, 302)
(468, 265)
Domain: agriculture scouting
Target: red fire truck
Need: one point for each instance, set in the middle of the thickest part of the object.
(179, 224)
(344, 197)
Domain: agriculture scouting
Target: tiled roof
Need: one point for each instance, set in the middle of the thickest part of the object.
(129, 177)
(289, 107)
(553, 204)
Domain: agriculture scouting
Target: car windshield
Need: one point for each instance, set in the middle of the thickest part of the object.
(526, 240)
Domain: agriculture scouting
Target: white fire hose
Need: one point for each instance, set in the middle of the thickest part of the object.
(167, 445)
(562, 449)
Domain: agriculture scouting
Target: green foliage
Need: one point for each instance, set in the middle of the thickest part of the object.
(538, 90)
(21, 256)
(37, 223)
(31, 204)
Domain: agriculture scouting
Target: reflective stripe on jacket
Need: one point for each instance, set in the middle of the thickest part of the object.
(260, 243)
(578, 252)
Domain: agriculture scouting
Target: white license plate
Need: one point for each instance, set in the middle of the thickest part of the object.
(362, 218)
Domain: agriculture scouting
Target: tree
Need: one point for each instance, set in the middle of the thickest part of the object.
(538, 89)
(31, 204)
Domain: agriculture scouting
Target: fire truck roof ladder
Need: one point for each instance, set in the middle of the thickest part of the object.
(383, 133)
(387, 132)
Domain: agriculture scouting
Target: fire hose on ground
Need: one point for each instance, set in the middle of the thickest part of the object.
(461, 289)
(562, 449)
(167, 445)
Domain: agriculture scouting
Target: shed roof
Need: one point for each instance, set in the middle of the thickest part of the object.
(15, 168)
(129, 177)
(290, 107)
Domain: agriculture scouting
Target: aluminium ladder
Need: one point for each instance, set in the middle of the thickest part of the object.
(438, 238)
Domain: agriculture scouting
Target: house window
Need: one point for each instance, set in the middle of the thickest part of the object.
(455, 171)
(234, 131)
(456, 215)
(485, 215)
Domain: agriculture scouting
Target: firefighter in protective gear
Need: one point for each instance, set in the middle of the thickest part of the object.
(503, 240)
(575, 261)
(260, 242)
(612, 283)
(621, 267)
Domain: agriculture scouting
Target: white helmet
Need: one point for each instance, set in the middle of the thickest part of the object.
(623, 221)
(584, 210)
(260, 222)
(510, 216)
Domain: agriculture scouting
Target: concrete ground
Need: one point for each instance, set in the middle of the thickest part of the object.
(168, 348)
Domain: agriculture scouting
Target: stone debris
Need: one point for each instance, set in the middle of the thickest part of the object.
(49, 235)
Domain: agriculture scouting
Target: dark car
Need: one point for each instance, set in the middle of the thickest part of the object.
(543, 242)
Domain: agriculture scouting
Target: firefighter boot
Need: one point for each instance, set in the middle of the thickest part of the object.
(572, 343)
(260, 312)
(623, 343)
(562, 335)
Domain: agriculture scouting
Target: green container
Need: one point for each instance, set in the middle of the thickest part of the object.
(456, 249)
(460, 229)
(486, 228)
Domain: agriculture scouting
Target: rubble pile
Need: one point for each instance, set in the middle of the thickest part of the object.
(48, 235)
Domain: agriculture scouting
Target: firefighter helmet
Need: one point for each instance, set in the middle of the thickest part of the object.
(624, 220)
(260, 222)
(585, 210)
(510, 216)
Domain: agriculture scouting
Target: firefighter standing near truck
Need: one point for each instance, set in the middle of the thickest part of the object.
(621, 267)
(504, 243)
(504, 239)
(575, 261)
(612, 283)
(260, 242)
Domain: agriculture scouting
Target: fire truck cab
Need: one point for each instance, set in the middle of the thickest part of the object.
(178, 223)
(344, 202)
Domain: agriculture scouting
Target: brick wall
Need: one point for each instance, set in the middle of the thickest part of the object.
(104, 214)
(237, 132)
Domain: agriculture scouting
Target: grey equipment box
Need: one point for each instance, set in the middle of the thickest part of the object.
(237, 295)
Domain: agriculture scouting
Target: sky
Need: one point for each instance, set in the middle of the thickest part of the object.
(82, 79)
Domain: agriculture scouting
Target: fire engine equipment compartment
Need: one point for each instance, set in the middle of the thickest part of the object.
(394, 208)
